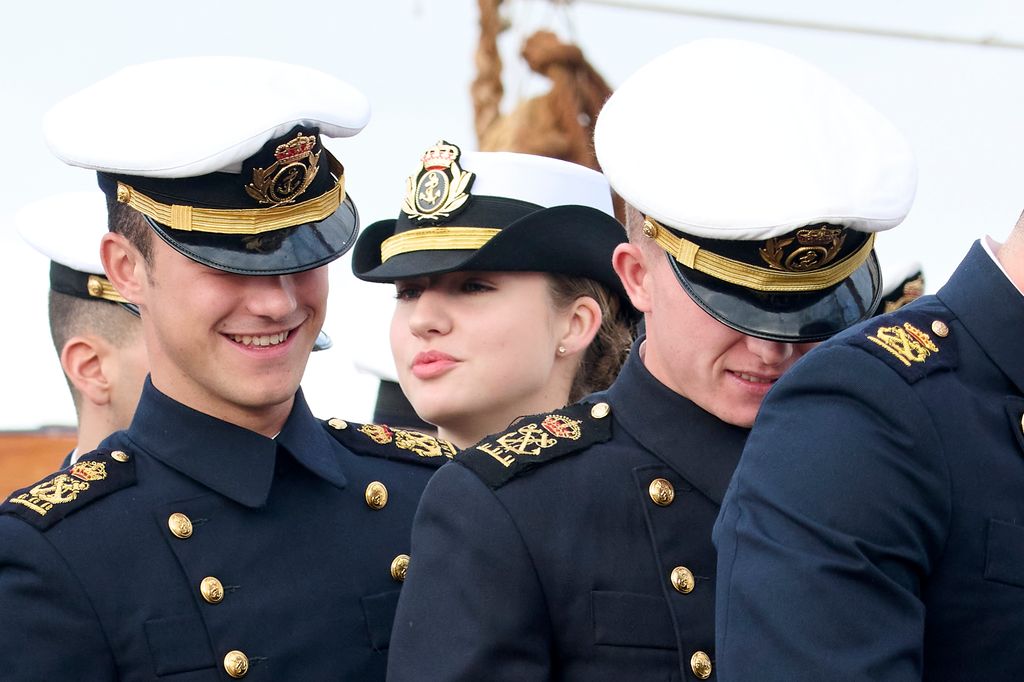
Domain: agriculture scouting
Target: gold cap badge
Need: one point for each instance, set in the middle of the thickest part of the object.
(295, 165)
(440, 187)
(815, 247)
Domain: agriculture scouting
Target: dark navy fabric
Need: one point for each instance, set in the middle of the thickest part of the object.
(563, 572)
(109, 593)
(875, 526)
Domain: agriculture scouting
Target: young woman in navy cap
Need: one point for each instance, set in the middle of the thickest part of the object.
(507, 303)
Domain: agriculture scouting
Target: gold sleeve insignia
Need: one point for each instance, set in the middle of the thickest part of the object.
(536, 439)
(380, 440)
(907, 343)
(900, 340)
(95, 475)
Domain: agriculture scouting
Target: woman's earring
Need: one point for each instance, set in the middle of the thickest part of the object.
(561, 350)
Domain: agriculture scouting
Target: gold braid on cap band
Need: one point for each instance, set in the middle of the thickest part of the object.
(243, 221)
(100, 287)
(759, 279)
(436, 239)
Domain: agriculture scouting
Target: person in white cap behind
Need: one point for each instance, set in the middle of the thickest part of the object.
(371, 354)
(95, 332)
(576, 545)
(226, 531)
(902, 281)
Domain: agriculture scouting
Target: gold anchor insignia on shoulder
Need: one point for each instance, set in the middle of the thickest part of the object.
(526, 440)
(62, 488)
(295, 165)
(907, 343)
(379, 433)
(440, 187)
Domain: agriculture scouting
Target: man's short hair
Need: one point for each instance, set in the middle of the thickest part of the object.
(71, 316)
(129, 223)
(635, 227)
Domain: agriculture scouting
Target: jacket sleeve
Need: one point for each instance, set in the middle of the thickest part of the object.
(472, 607)
(839, 506)
(48, 628)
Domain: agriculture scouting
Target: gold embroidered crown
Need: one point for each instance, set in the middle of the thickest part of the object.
(296, 149)
(89, 471)
(441, 155)
(818, 236)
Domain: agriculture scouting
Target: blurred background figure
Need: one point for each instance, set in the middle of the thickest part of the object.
(507, 301)
(902, 280)
(95, 332)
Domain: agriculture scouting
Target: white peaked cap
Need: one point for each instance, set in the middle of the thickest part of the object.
(727, 139)
(187, 117)
(66, 228)
(538, 180)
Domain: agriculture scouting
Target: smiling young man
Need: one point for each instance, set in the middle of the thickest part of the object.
(577, 544)
(226, 531)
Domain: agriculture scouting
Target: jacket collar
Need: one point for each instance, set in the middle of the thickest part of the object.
(226, 458)
(976, 279)
(699, 446)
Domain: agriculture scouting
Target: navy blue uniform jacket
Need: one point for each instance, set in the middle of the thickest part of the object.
(559, 567)
(96, 585)
(875, 526)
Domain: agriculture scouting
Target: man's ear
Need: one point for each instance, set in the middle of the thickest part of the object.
(124, 265)
(630, 263)
(82, 359)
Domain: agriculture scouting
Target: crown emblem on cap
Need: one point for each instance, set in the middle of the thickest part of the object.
(440, 187)
(295, 150)
(815, 247)
(295, 165)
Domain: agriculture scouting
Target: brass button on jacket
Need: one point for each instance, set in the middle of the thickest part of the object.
(376, 495)
(399, 567)
(180, 525)
(700, 664)
(338, 424)
(119, 456)
(662, 492)
(212, 590)
(682, 579)
(236, 664)
(600, 410)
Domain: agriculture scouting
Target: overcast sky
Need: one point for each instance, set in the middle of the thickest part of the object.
(959, 105)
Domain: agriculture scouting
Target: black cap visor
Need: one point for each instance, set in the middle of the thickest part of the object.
(279, 252)
(786, 317)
